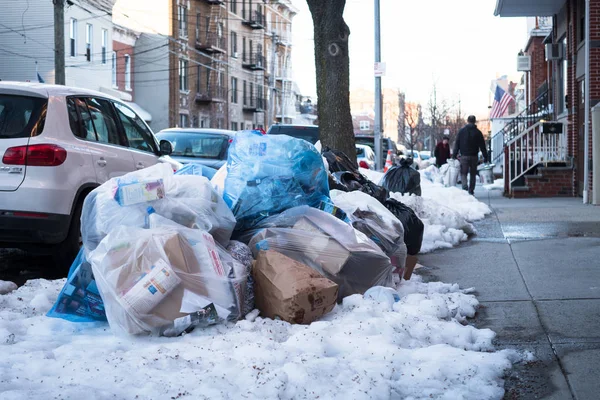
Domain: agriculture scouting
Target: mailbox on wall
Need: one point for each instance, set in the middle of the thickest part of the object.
(552, 127)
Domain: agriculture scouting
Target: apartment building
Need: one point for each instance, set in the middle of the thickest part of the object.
(278, 46)
(27, 42)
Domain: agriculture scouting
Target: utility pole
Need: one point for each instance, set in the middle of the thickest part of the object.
(378, 112)
(59, 42)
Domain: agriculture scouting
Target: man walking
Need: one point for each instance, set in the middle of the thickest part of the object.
(468, 143)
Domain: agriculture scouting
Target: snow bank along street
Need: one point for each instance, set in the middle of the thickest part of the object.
(363, 349)
(171, 292)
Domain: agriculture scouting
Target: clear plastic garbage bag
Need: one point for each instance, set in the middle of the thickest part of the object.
(148, 278)
(188, 200)
(328, 245)
(450, 172)
(371, 217)
(267, 174)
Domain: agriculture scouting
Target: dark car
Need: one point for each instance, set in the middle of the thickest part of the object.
(386, 144)
(310, 133)
(207, 147)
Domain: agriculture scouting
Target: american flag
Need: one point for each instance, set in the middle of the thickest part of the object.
(501, 101)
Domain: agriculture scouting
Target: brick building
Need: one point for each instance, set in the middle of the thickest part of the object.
(565, 169)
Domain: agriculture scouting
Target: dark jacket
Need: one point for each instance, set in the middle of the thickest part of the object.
(469, 142)
(441, 153)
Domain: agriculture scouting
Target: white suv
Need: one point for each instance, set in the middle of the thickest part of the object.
(56, 145)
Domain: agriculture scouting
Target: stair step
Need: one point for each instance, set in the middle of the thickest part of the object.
(520, 189)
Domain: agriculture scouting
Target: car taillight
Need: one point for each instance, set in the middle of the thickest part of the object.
(363, 164)
(37, 155)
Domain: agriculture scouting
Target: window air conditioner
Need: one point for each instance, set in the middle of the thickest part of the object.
(235, 54)
(523, 63)
(554, 51)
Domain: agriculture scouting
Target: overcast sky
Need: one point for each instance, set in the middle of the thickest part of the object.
(459, 44)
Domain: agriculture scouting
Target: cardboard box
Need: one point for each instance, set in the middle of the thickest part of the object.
(411, 262)
(291, 291)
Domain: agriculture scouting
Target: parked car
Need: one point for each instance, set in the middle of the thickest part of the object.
(57, 144)
(365, 156)
(386, 144)
(310, 133)
(207, 147)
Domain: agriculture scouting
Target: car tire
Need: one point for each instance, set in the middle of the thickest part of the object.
(64, 253)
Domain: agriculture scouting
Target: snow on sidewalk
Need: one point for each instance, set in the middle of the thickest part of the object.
(362, 350)
(446, 212)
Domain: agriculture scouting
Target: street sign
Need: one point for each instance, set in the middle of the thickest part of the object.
(379, 69)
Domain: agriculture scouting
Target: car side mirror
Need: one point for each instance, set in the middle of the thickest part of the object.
(166, 148)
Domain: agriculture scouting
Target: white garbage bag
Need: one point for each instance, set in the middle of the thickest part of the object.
(188, 200)
(148, 278)
(450, 172)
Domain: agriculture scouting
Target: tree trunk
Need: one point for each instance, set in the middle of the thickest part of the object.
(332, 63)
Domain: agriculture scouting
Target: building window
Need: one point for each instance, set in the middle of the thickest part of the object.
(251, 92)
(198, 75)
(234, 126)
(245, 93)
(198, 19)
(73, 37)
(233, 6)
(104, 44)
(182, 17)
(234, 44)
(365, 125)
(127, 72)
(184, 120)
(183, 78)
(88, 42)
(114, 69)
(243, 49)
(234, 94)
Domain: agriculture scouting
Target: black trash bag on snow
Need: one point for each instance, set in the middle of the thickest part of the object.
(339, 162)
(413, 226)
(402, 179)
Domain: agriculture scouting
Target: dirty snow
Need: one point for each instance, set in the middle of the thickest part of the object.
(446, 212)
(418, 350)
(497, 185)
(7, 287)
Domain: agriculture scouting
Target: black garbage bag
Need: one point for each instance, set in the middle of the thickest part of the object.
(338, 161)
(402, 179)
(413, 226)
(352, 182)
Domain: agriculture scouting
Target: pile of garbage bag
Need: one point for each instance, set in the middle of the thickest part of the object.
(165, 253)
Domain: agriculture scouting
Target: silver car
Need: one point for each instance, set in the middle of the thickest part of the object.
(57, 144)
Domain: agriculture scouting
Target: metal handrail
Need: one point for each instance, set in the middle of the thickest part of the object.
(539, 109)
(531, 148)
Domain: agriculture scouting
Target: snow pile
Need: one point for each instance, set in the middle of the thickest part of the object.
(361, 350)
(445, 211)
(7, 287)
(497, 185)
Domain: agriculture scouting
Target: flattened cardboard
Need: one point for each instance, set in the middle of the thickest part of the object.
(291, 291)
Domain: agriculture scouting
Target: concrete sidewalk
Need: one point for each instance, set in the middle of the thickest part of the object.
(535, 265)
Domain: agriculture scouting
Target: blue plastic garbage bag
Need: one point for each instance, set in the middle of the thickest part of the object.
(79, 300)
(197, 169)
(268, 174)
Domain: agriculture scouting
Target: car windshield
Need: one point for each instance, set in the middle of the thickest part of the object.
(308, 133)
(368, 141)
(197, 145)
(415, 154)
(21, 116)
(425, 156)
(360, 151)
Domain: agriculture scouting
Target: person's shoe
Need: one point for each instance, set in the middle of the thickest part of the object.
(472, 193)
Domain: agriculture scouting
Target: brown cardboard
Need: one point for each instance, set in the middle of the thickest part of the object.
(290, 290)
(411, 262)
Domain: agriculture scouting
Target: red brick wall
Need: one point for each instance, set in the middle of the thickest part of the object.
(122, 49)
(552, 183)
(572, 89)
(594, 69)
(539, 66)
